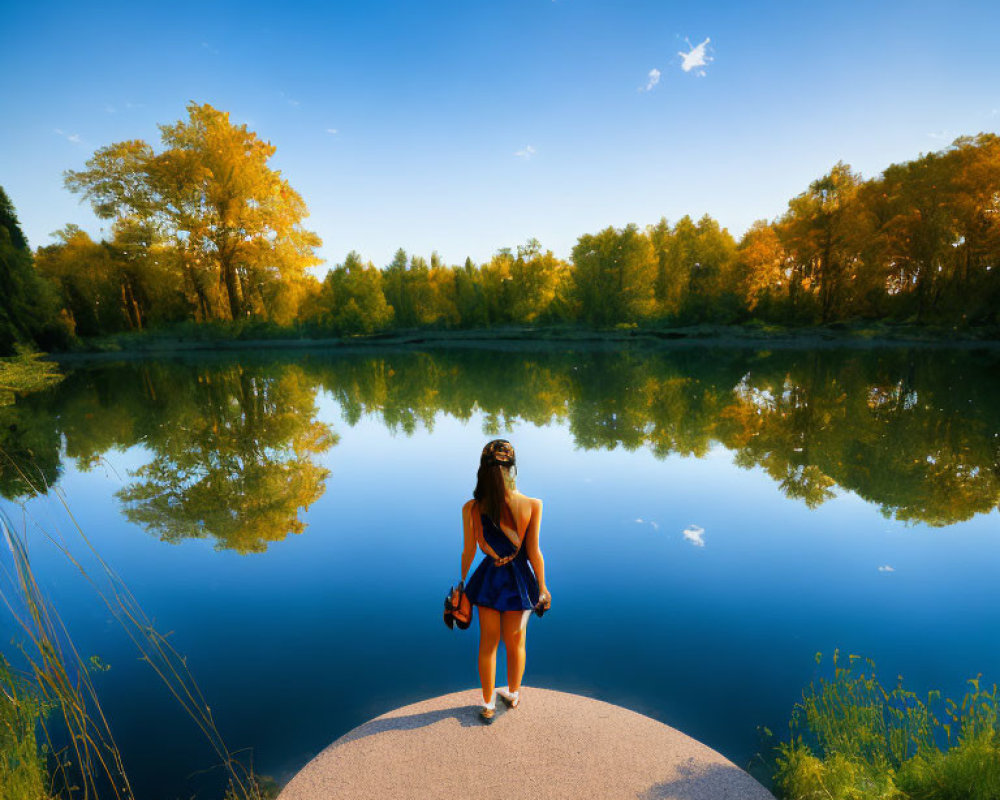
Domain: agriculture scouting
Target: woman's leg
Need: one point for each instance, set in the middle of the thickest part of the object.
(514, 626)
(489, 639)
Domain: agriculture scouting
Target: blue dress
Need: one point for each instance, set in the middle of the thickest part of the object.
(512, 587)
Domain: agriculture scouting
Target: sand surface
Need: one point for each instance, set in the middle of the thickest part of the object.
(554, 745)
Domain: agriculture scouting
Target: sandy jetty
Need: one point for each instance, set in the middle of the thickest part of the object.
(554, 745)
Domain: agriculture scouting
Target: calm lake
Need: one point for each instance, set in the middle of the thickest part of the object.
(713, 518)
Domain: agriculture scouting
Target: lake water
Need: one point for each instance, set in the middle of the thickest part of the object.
(713, 518)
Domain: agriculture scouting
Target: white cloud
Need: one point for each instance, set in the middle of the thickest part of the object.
(695, 534)
(212, 50)
(886, 568)
(526, 153)
(697, 58)
(331, 130)
(639, 520)
(656, 527)
(69, 137)
(652, 79)
(110, 108)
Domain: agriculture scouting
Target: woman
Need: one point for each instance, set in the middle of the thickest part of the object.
(510, 581)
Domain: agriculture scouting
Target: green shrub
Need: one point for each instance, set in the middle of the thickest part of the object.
(854, 739)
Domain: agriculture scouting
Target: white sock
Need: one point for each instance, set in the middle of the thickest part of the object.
(493, 702)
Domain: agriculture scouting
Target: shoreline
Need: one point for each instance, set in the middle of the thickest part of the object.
(526, 339)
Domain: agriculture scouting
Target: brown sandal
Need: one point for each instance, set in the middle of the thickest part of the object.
(487, 714)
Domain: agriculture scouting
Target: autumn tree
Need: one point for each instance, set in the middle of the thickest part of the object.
(819, 230)
(234, 222)
(761, 264)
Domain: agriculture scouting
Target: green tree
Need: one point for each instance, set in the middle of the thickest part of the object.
(537, 283)
(351, 299)
(28, 305)
(614, 273)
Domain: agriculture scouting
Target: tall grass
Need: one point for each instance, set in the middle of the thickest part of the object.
(56, 696)
(852, 738)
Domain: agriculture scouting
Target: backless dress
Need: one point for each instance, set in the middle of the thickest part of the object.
(510, 587)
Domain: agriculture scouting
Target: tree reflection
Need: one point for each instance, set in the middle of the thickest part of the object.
(234, 463)
(233, 445)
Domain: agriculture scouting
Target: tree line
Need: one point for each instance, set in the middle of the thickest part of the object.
(204, 230)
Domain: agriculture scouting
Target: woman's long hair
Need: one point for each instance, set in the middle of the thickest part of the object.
(497, 468)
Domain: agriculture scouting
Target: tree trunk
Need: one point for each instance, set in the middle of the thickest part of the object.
(232, 290)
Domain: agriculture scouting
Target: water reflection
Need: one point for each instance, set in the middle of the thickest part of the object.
(233, 444)
(232, 447)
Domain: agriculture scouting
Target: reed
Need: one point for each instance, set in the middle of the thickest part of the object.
(55, 696)
(852, 738)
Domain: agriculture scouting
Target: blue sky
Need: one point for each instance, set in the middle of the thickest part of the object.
(464, 127)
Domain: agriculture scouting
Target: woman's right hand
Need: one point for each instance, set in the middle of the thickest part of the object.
(545, 598)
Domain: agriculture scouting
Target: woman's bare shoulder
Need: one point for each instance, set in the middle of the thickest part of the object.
(533, 502)
(468, 504)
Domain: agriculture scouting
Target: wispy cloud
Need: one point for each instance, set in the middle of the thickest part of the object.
(331, 131)
(526, 153)
(651, 80)
(110, 108)
(207, 46)
(696, 59)
(69, 137)
(886, 568)
(695, 534)
(941, 136)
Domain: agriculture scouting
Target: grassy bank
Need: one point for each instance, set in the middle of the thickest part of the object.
(852, 738)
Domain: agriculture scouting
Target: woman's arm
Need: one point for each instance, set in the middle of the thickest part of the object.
(531, 544)
(469, 538)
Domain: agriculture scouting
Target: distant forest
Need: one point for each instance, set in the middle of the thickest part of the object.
(203, 230)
